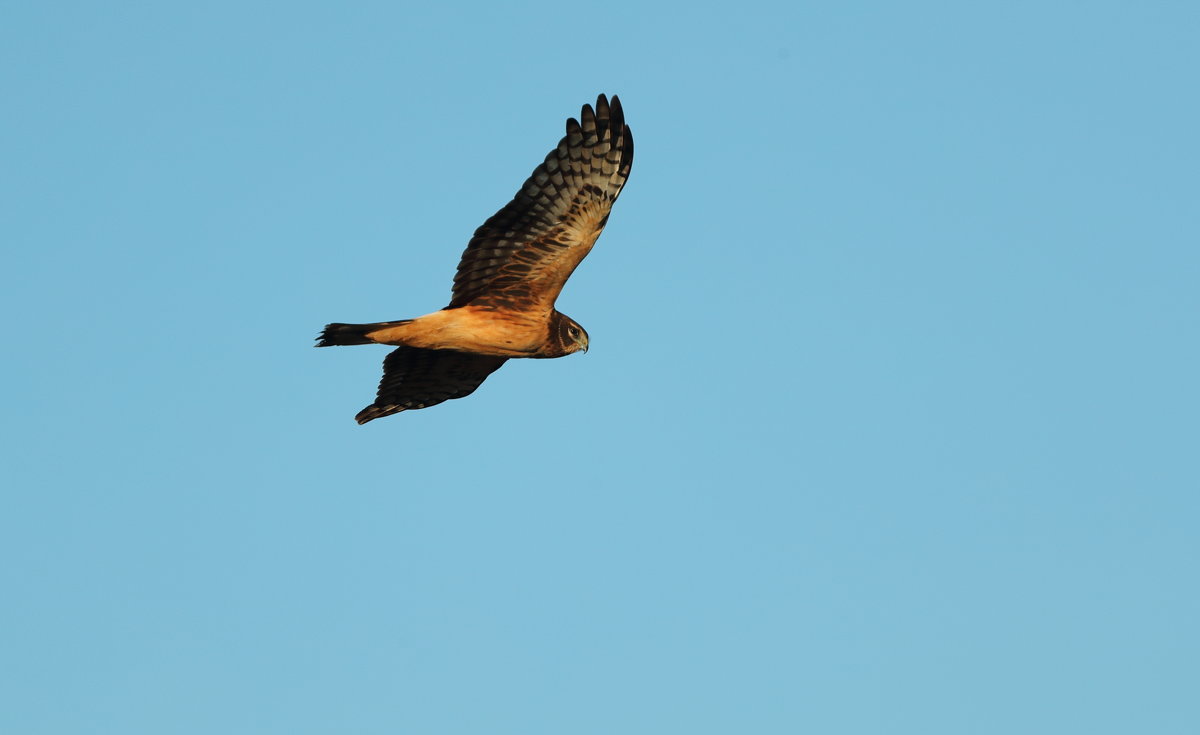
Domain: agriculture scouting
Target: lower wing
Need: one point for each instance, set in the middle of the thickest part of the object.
(418, 378)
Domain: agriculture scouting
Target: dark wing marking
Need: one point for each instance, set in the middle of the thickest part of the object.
(418, 378)
(522, 256)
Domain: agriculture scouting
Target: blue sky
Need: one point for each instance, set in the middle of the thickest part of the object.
(889, 421)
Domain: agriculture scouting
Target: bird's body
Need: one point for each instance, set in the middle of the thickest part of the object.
(509, 276)
(476, 329)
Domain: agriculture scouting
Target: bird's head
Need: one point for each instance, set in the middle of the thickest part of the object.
(566, 336)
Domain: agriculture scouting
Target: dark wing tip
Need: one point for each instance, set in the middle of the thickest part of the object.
(627, 149)
(613, 115)
(587, 118)
(605, 115)
(372, 412)
(573, 128)
(615, 112)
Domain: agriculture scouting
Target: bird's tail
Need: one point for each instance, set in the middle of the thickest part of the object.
(352, 334)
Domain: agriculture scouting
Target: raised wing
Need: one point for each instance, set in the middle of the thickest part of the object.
(522, 256)
(418, 378)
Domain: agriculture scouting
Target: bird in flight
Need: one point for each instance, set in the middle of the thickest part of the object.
(502, 302)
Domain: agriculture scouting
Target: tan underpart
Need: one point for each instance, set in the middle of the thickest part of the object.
(471, 329)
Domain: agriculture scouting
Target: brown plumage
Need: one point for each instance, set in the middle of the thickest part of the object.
(514, 267)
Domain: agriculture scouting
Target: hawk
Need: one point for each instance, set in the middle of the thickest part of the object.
(502, 303)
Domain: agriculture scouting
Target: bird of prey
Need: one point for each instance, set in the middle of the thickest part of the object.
(502, 302)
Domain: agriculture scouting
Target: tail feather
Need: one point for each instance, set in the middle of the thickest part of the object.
(335, 335)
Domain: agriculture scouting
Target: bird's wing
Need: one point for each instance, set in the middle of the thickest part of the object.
(418, 378)
(521, 257)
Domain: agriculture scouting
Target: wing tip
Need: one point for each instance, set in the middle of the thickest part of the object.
(606, 115)
(612, 114)
(588, 119)
(574, 129)
(374, 411)
(626, 149)
(615, 112)
(603, 110)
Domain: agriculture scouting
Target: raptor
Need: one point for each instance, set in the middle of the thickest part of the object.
(509, 277)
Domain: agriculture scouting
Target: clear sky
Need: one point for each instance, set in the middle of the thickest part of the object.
(889, 422)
